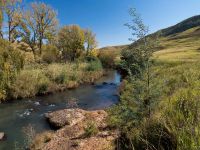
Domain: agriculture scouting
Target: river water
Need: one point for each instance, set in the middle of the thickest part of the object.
(18, 114)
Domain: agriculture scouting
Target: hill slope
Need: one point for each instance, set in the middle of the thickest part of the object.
(182, 26)
(114, 49)
(181, 41)
(184, 46)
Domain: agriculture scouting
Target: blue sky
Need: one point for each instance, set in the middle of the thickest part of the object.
(107, 17)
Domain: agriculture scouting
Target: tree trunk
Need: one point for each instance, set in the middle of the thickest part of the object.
(9, 31)
(40, 46)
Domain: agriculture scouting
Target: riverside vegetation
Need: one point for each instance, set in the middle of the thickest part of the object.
(37, 57)
(159, 105)
(159, 108)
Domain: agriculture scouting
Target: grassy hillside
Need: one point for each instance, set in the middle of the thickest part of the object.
(174, 98)
(181, 41)
(182, 26)
(114, 49)
(184, 46)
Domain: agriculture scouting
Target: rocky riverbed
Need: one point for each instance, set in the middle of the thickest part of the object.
(77, 129)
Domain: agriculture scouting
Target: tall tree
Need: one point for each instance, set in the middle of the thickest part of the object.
(1, 19)
(46, 21)
(71, 41)
(90, 40)
(28, 30)
(39, 23)
(13, 15)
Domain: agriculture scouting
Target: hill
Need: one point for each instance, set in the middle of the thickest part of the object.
(181, 41)
(115, 49)
(182, 26)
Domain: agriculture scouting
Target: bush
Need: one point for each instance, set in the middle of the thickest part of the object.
(50, 54)
(53, 71)
(61, 78)
(94, 65)
(11, 62)
(107, 58)
(29, 83)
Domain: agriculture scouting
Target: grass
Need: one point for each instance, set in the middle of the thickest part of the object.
(184, 47)
(175, 99)
(90, 130)
(36, 79)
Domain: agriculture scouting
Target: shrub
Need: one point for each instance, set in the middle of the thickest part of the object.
(11, 62)
(94, 65)
(50, 54)
(54, 70)
(107, 58)
(29, 83)
(61, 78)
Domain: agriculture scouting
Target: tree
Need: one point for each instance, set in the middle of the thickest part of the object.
(133, 115)
(137, 58)
(1, 19)
(90, 40)
(28, 30)
(46, 22)
(38, 23)
(71, 42)
(13, 15)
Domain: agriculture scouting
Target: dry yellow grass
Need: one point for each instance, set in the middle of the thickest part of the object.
(181, 47)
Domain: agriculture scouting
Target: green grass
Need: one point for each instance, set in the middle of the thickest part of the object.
(175, 99)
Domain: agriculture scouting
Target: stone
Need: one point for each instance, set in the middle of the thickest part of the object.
(2, 136)
(61, 118)
(71, 134)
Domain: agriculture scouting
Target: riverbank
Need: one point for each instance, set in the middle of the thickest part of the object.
(78, 130)
(43, 79)
(100, 95)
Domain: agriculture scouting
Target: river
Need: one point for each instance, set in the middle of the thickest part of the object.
(20, 113)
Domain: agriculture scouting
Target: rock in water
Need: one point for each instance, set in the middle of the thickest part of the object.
(72, 136)
(61, 118)
(2, 136)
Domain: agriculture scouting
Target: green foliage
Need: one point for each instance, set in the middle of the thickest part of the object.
(136, 57)
(174, 108)
(159, 107)
(94, 65)
(90, 41)
(71, 42)
(91, 130)
(133, 62)
(182, 116)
